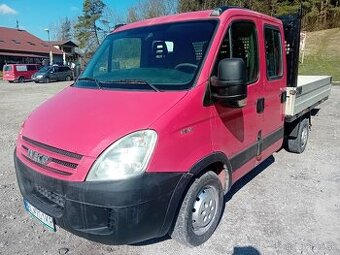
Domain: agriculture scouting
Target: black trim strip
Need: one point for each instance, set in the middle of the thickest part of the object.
(272, 138)
(245, 156)
(53, 149)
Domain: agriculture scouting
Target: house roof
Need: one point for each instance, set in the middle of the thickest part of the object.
(21, 41)
(64, 42)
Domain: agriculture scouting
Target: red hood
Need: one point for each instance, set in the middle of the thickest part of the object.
(86, 121)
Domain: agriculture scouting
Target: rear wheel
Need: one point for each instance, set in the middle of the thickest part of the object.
(298, 144)
(10, 81)
(200, 211)
(21, 79)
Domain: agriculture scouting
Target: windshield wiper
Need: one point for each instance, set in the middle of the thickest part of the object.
(90, 79)
(131, 81)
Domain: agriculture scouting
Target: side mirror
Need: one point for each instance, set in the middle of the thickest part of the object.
(230, 87)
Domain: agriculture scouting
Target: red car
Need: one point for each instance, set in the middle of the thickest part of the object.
(19, 72)
(166, 117)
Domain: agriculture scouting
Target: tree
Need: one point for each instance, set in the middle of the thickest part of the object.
(87, 31)
(62, 29)
(145, 9)
(317, 14)
(66, 29)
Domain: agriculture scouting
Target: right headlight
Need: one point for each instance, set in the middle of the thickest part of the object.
(125, 158)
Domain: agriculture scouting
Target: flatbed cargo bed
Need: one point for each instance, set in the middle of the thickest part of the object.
(310, 92)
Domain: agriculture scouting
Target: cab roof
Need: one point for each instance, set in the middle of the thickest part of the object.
(197, 15)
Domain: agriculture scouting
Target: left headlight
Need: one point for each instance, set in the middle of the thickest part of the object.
(125, 158)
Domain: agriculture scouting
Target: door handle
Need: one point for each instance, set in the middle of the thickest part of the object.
(260, 105)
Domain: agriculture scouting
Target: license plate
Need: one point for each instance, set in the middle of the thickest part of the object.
(43, 218)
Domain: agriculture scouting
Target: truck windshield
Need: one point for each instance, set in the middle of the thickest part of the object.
(158, 57)
(7, 68)
(44, 69)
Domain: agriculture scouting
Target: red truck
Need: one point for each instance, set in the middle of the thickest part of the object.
(167, 116)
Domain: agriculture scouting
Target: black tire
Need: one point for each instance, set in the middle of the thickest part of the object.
(10, 81)
(67, 78)
(298, 144)
(21, 80)
(47, 80)
(197, 204)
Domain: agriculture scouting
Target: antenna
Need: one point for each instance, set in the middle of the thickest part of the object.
(18, 24)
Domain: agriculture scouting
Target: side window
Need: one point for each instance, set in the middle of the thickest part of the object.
(273, 53)
(240, 41)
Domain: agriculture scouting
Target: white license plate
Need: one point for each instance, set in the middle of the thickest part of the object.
(43, 218)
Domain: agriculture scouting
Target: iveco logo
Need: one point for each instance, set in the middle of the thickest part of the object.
(37, 157)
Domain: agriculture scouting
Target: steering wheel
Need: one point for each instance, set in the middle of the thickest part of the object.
(186, 66)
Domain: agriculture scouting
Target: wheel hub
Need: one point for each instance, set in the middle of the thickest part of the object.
(204, 209)
(304, 136)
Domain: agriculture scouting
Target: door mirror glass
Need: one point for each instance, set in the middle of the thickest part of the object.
(229, 87)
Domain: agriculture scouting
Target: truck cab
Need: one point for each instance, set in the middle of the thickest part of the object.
(167, 116)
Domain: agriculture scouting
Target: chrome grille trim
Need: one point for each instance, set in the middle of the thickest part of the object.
(58, 161)
(47, 168)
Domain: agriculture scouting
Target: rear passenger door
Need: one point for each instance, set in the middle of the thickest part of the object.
(274, 83)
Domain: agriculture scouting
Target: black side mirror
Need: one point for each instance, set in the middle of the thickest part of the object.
(230, 86)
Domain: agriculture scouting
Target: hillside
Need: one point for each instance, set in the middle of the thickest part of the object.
(322, 55)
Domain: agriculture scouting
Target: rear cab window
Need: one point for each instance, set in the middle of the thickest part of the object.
(274, 59)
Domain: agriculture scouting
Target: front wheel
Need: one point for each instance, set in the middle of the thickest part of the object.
(68, 78)
(200, 211)
(47, 80)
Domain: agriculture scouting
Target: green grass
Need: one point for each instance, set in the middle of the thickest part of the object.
(322, 54)
(314, 65)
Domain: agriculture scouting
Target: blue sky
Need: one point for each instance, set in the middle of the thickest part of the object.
(36, 15)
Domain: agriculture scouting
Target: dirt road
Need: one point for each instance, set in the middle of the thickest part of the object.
(288, 205)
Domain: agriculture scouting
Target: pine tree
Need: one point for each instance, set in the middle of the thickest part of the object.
(86, 30)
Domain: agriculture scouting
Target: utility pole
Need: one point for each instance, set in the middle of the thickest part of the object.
(49, 44)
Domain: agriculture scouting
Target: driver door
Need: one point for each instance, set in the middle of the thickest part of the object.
(237, 131)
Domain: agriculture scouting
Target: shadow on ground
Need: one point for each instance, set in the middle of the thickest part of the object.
(248, 250)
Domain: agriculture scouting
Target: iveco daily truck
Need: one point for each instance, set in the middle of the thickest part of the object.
(166, 117)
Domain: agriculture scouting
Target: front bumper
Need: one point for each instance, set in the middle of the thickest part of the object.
(115, 212)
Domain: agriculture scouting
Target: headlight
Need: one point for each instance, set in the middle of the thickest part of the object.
(125, 158)
(39, 76)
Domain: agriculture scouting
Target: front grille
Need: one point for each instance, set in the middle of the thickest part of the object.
(52, 197)
(65, 163)
(47, 167)
(53, 149)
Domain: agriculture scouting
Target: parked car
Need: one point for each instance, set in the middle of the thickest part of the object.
(19, 72)
(166, 117)
(53, 73)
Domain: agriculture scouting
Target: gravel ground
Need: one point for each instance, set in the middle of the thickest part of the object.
(288, 205)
